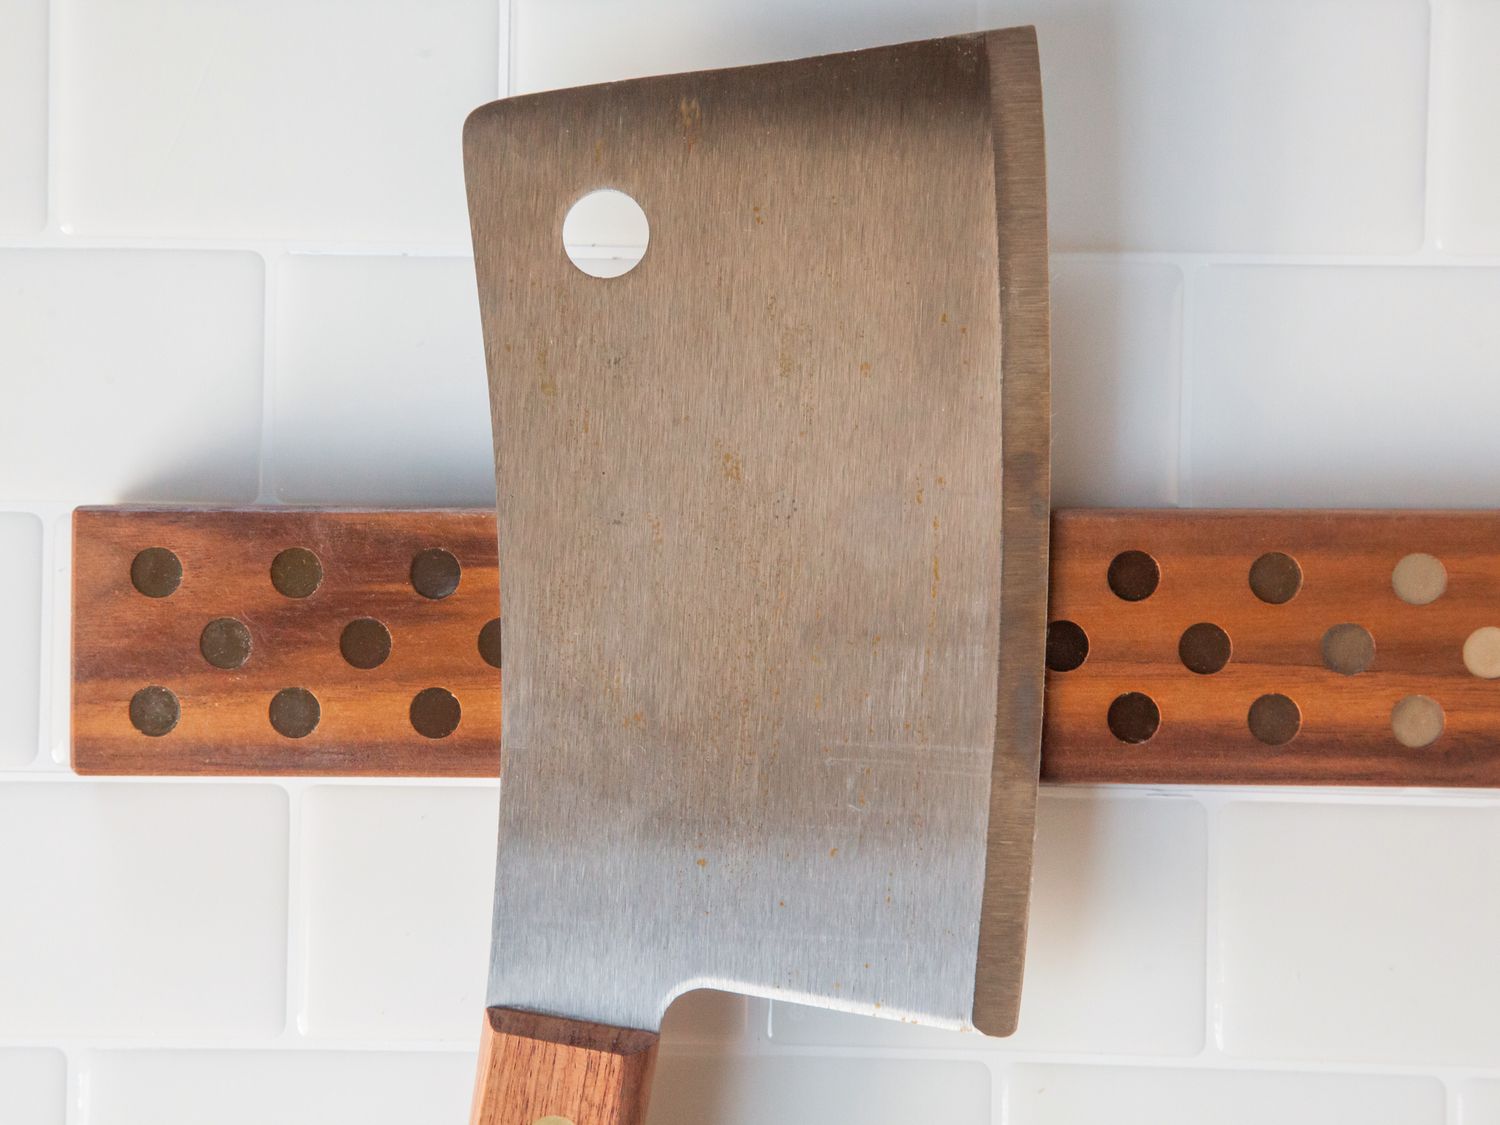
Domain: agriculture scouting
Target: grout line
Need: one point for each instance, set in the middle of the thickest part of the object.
(1184, 483)
(507, 47)
(1433, 136)
(46, 642)
(1213, 1000)
(52, 193)
(74, 1108)
(295, 1028)
(270, 323)
(58, 632)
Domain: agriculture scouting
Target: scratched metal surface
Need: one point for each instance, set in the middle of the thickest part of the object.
(750, 533)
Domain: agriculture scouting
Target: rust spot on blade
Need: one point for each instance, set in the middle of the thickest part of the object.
(690, 116)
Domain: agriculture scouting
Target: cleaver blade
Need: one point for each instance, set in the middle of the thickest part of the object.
(772, 512)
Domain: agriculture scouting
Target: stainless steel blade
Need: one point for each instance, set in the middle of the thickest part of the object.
(750, 520)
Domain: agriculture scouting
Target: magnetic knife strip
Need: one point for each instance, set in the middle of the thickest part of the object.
(1203, 647)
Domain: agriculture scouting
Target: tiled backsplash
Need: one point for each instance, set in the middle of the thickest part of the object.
(233, 266)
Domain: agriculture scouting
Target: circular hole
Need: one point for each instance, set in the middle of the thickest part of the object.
(1348, 649)
(489, 642)
(1134, 717)
(154, 711)
(435, 573)
(1275, 719)
(1482, 653)
(605, 233)
(1204, 648)
(1417, 721)
(365, 642)
(435, 713)
(225, 642)
(1275, 578)
(295, 712)
(1419, 579)
(1133, 575)
(156, 572)
(296, 572)
(1067, 646)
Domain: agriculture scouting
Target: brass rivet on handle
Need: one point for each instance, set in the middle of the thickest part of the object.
(1134, 717)
(1067, 646)
(1274, 719)
(1417, 721)
(1419, 579)
(295, 712)
(296, 572)
(225, 642)
(1482, 653)
(1348, 649)
(489, 642)
(435, 713)
(435, 573)
(1204, 648)
(1275, 578)
(365, 643)
(154, 711)
(1133, 576)
(156, 572)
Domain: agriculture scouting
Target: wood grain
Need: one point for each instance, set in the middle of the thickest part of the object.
(124, 641)
(1347, 560)
(535, 1068)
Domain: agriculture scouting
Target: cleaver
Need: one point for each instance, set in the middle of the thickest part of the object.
(772, 512)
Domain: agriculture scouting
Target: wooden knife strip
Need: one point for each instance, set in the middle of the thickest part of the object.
(1275, 712)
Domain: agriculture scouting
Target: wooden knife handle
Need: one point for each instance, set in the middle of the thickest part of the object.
(544, 1070)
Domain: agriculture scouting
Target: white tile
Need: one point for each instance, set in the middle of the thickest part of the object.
(130, 375)
(1466, 144)
(574, 42)
(380, 389)
(1115, 959)
(1258, 125)
(398, 885)
(705, 1016)
(1360, 932)
(1358, 386)
(285, 1087)
(33, 1087)
(20, 637)
(23, 116)
(1477, 1103)
(336, 120)
(142, 909)
(814, 1090)
(1078, 1095)
(1116, 383)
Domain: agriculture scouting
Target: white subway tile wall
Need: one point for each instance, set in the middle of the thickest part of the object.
(23, 116)
(1070, 1095)
(397, 886)
(232, 1087)
(140, 910)
(816, 1090)
(233, 269)
(20, 637)
(216, 119)
(34, 1086)
(1360, 933)
(131, 375)
(380, 354)
(1465, 142)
